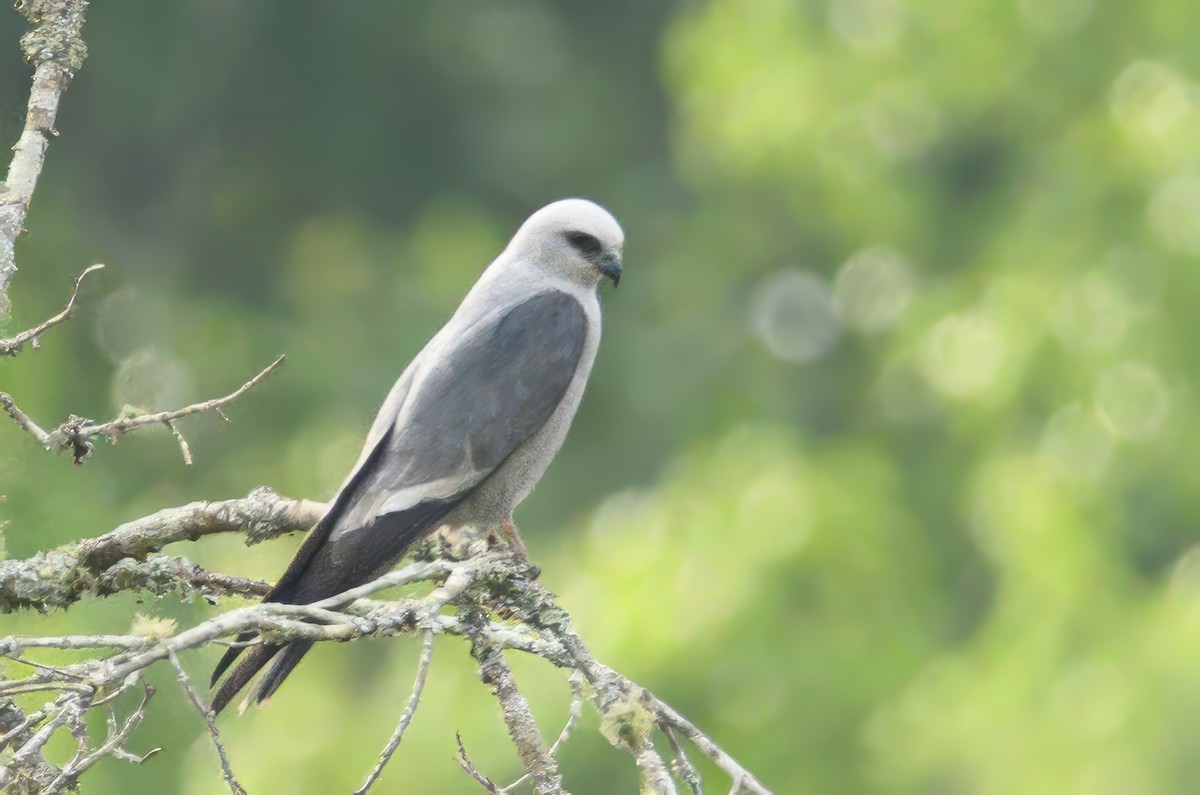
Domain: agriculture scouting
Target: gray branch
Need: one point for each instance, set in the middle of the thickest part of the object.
(518, 717)
(56, 50)
(76, 433)
(122, 561)
(410, 709)
(12, 346)
(487, 596)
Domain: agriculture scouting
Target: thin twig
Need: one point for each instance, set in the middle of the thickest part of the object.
(206, 713)
(485, 782)
(743, 780)
(23, 421)
(124, 424)
(405, 717)
(113, 745)
(13, 644)
(32, 747)
(75, 434)
(14, 345)
(183, 444)
(681, 764)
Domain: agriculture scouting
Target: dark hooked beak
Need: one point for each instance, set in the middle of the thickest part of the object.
(609, 266)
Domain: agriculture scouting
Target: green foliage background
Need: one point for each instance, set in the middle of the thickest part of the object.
(885, 475)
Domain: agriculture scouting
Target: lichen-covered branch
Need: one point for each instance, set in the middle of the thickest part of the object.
(488, 596)
(121, 560)
(33, 773)
(56, 50)
(260, 516)
(518, 717)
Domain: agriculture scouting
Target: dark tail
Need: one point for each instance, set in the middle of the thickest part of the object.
(256, 659)
(258, 656)
(320, 569)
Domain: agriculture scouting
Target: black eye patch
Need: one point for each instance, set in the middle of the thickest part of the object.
(585, 244)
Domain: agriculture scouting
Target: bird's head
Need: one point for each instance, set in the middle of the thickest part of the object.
(576, 238)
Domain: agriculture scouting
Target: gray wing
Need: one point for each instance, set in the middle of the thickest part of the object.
(454, 427)
(448, 430)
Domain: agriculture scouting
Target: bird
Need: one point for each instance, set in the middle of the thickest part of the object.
(468, 429)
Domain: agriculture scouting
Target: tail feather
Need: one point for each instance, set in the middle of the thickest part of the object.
(283, 665)
(256, 658)
(231, 654)
(284, 591)
(319, 570)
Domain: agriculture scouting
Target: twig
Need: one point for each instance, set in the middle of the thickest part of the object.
(31, 748)
(485, 782)
(681, 764)
(12, 645)
(18, 730)
(743, 780)
(23, 421)
(206, 713)
(518, 718)
(114, 743)
(655, 777)
(121, 425)
(57, 51)
(183, 445)
(14, 345)
(405, 717)
(75, 433)
(573, 715)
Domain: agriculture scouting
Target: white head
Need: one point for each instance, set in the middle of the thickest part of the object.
(575, 238)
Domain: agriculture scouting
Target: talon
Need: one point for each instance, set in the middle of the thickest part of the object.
(508, 531)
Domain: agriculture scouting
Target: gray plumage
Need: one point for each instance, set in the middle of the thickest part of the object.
(470, 426)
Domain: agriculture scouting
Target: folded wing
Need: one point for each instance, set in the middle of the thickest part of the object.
(447, 425)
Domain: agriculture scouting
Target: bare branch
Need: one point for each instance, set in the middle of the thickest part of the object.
(56, 579)
(56, 50)
(23, 421)
(121, 561)
(75, 433)
(36, 771)
(522, 728)
(116, 428)
(114, 743)
(485, 782)
(681, 764)
(743, 780)
(405, 717)
(206, 713)
(14, 345)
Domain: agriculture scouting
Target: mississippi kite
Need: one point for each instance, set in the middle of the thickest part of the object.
(470, 426)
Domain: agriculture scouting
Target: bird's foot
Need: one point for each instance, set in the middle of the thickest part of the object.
(507, 535)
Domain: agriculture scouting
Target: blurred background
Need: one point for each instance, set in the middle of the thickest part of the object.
(884, 475)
